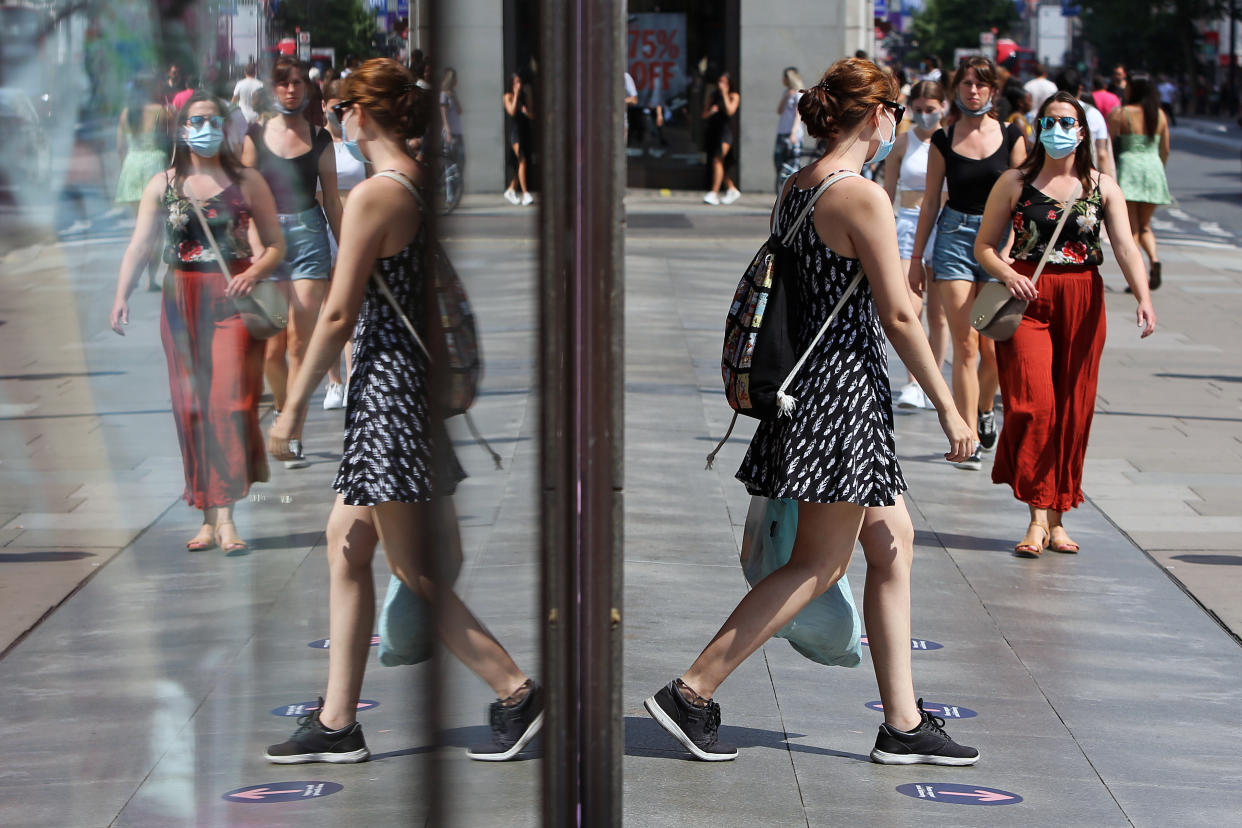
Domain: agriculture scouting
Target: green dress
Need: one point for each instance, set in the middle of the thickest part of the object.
(1140, 171)
(143, 160)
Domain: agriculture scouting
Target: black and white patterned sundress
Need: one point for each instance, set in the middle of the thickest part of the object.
(838, 443)
(394, 449)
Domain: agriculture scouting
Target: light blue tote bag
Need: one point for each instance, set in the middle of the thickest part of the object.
(828, 631)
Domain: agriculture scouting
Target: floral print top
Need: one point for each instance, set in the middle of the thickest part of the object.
(227, 214)
(1036, 218)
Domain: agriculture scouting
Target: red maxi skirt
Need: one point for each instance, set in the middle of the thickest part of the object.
(1048, 375)
(215, 373)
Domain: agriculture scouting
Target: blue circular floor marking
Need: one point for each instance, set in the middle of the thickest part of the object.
(282, 792)
(958, 794)
(302, 708)
(944, 711)
(915, 644)
(322, 643)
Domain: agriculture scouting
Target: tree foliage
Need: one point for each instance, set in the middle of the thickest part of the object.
(944, 25)
(345, 25)
(1160, 39)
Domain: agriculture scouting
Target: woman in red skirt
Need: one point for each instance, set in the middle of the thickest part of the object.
(1048, 370)
(215, 368)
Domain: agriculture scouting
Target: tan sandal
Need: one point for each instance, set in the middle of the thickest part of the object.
(234, 545)
(1030, 550)
(203, 540)
(1066, 546)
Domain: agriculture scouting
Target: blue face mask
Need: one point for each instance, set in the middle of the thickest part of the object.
(1059, 142)
(297, 110)
(885, 147)
(205, 140)
(352, 146)
(974, 113)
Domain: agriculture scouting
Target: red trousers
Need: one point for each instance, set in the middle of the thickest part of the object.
(215, 373)
(1048, 374)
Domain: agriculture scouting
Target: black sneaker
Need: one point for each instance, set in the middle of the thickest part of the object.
(694, 727)
(311, 742)
(972, 463)
(987, 430)
(927, 744)
(512, 727)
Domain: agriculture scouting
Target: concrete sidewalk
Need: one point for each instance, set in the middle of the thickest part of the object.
(1096, 687)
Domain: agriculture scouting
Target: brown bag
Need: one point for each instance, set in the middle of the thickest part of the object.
(997, 313)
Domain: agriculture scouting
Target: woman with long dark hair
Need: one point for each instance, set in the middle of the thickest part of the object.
(521, 138)
(718, 115)
(1049, 369)
(398, 470)
(215, 368)
(968, 156)
(142, 144)
(1140, 133)
(290, 152)
(837, 458)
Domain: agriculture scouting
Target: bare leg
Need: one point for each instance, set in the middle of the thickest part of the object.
(916, 301)
(206, 532)
(1036, 536)
(724, 181)
(1146, 237)
(400, 530)
(521, 173)
(275, 366)
(717, 174)
(1132, 209)
(226, 532)
(351, 541)
(888, 542)
(1057, 535)
(989, 374)
(305, 302)
(826, 536)
(956, 296)
(937, 322)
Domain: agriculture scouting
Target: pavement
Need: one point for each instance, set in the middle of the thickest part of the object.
(142, 682)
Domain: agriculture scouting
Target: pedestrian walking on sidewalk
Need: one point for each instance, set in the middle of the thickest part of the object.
(291, 154)
(215, 368)
(521, 138)
(718, 115)
(905, 177)
(788, 145)
(398, 469)
(968, 156)
(1049, 369)
(142, 139)
(1140, 133)
(838, 460)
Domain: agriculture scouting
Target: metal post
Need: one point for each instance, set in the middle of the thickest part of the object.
(579, 117)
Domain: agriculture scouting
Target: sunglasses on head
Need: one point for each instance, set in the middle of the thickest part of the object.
(197, 121)
(339, 109)
(899, 111)
(1065, 121)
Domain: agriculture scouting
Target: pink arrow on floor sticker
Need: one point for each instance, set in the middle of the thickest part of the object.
(983, 796)
(261, 793)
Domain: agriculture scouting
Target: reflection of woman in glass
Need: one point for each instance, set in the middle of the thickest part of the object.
(521, 138)
(398, 469)
(718, 113)
(215, 368)
(141, 143)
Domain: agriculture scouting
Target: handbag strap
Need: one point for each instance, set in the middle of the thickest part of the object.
(211, 238)
(1066, 209)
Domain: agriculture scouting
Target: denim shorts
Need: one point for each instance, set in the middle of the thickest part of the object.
(954, 254)
(307, 255)
(907, 224)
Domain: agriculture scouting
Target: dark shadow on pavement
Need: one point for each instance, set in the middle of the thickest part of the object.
(1215, 377)
(952, 541)
(293, 541)
(43, 556)
(1211, 560)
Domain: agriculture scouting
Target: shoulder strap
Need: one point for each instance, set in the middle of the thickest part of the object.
(211, 238)
(828, 181)
(1066, 209)
(397, 175)
(786, 403)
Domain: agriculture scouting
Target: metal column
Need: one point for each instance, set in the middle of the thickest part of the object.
(579, 126)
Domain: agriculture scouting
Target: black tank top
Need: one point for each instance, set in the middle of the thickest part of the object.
(292, 180)
(971, 179)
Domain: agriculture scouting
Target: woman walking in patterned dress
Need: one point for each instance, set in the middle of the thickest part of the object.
(1140, 134)
(835, 453)
(1048, 370)
(398, 468)
(215, 368)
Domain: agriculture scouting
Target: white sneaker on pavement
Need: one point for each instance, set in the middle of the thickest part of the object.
(334, 397)
(731, 196)
(711, 198)
(911, 396)
(512, 197)
(527, 199)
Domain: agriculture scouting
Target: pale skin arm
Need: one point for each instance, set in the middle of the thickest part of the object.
(1162, 131)
(1104, 155)
(892, 170)
(510, 104)
(997, 216)
(267, 225)
(121, 134)
(731, 102)
(147, 234)
(872, 230)
(1117, 220)
(364, 229)
(331, 196)
(250, 153)
(928, 212)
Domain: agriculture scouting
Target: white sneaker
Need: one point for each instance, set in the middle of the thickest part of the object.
(299, 461)
(512, 197)
(711, 198)
(527, 199)
(334, 397)
(911, 396)
(731, 196)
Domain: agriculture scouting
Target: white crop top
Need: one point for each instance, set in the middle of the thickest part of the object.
(914, 164)
(788, 112)
(349, 170)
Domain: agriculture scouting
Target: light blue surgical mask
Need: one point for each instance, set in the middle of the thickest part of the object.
(926, 120)
(885, 146)
(1059, 142)
(974, 113)
(352, 146)
(204, 140)
(297, 110)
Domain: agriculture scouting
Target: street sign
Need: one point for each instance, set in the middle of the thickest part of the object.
(304, 37)
(958, 794)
